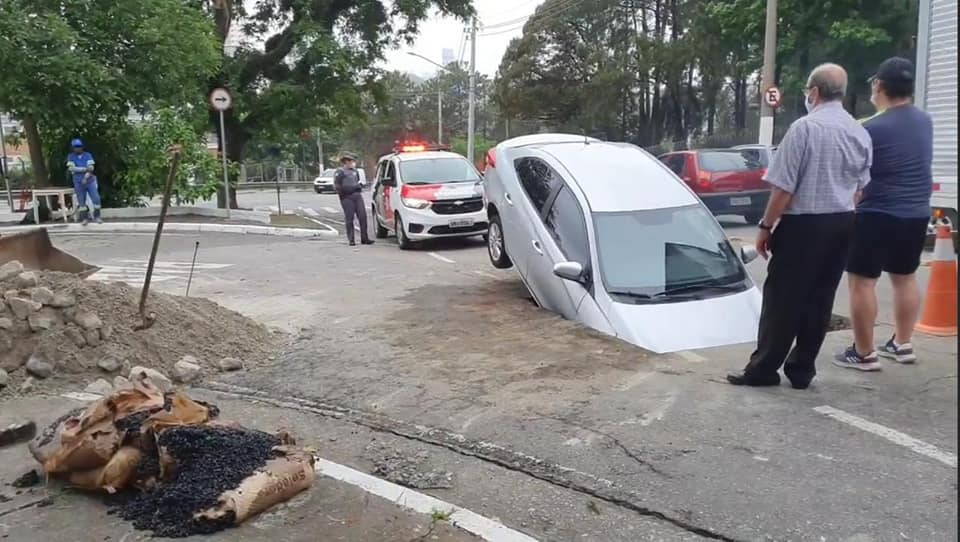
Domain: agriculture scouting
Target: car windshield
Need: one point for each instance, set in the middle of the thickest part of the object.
(648, 253)
(738, 160)
(328, 173)
(437, 171)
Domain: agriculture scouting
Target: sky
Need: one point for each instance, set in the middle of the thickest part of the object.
(438, 33)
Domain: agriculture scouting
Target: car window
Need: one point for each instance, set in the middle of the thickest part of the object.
(538, 180)
(650, 251)
(438, 171)
(566, 225)
(739, 160)
(391, 171)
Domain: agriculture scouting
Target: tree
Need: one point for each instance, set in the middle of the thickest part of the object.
(78, 67)
(315, 65)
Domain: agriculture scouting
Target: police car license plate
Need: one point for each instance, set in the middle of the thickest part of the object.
(462, 223)
(740, 201)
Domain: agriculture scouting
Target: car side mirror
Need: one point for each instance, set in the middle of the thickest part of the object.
(572, 271)
(748, 253)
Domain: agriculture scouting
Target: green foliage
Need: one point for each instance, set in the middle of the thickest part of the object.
(480, 147)
(78, 67)
(198, 174)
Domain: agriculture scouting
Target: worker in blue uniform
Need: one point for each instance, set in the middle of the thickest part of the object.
(80, 163)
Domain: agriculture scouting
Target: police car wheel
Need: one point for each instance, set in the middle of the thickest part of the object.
(381, 232)
(317, 190)
(402, 240)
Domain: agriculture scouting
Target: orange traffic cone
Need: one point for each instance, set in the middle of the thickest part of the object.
(940, 308)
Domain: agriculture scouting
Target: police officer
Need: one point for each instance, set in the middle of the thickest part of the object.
(80, 163)
(348, 184)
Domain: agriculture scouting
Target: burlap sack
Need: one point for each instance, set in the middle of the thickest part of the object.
(278, 481)
(117, 474)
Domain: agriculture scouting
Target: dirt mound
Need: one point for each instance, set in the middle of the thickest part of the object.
(59, 325)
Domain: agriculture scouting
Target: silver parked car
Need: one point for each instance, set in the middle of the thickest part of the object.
(605, 234)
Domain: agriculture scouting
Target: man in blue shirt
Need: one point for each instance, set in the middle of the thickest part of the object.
(892, 218)
(80, 164)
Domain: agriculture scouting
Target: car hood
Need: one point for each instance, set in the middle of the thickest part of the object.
(323, 180)
(687, 325)
(443, 192)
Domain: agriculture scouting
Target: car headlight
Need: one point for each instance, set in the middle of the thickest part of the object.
(415, 203)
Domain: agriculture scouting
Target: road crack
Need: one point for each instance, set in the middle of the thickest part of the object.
(552, 473)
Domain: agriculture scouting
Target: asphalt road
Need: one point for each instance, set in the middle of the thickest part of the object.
(553, 429)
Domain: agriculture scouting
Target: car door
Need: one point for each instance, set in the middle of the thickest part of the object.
(524, 210)
(377, 195)
(563, 237)
(389, 196)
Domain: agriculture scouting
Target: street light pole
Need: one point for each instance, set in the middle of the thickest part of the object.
(471, 105)
(769, 72)
(439, 96)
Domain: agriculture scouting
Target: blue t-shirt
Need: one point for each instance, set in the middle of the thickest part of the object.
(901, 181)
(78, 164)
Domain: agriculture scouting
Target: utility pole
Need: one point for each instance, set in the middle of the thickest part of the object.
(319, 153)
(769, 72)
(439, 112)
(471, 105)
(5, 164)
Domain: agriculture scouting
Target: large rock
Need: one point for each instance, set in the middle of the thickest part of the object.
(87, 320)
(4, 379)
(23, 307)
(39, 367)
(10, 270)
(99, 387)
(76, 335)
(158, 379)
(39, 322)
(109, 364)
(10, 294)
(186, 370)
(42, 295)
(106, 332)
(62, 301)
(6, 323)
(27, 279)
(230, 364)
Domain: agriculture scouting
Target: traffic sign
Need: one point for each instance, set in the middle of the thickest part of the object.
(772, 97)
(220, 99)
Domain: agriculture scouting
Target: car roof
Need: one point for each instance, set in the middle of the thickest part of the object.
(541, 139)
(619, 176)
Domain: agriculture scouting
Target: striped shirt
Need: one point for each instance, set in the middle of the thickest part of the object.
(823, 160)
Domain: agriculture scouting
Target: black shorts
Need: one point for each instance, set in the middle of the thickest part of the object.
(885, 243)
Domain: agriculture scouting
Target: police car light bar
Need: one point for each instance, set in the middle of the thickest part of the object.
(420, 147)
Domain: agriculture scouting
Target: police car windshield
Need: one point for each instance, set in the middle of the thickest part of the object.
(437, 171)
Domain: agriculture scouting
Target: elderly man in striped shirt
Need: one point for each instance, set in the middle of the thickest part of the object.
(822, 164)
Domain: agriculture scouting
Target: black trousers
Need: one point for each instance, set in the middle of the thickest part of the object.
(353, 206)
(808, 255)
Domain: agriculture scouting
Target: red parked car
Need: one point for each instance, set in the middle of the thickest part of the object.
(729, 181)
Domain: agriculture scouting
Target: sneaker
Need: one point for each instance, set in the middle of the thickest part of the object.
(901, 353)
(353, 243)
(367, 242)
(850, 359)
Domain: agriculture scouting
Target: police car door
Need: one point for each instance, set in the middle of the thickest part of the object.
(377, 196)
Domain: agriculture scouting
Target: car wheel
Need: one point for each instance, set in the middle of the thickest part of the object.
(381, 231)
(496, 248)
(402, 240)
(317, 190)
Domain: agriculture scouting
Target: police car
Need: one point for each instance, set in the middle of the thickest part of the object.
(425, 192)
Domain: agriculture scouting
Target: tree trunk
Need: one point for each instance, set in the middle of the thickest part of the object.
(40, 176)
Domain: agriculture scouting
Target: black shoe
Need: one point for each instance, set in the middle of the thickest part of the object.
(800, 384)
(367, 242)
(742, 379)
(353, 243)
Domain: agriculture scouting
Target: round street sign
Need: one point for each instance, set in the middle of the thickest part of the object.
(220, 99)
(772, 97)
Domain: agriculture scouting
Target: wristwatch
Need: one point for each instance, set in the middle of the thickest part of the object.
(763, 226)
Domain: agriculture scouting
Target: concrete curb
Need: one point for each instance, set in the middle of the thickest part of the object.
(154, 212)
(181, 227)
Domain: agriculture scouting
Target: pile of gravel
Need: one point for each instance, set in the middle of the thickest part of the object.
(62, 328)
(210, 460)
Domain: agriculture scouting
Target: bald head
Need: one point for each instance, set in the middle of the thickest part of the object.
(830, 80)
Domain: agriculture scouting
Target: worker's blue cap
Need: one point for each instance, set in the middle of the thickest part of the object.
(76, 143)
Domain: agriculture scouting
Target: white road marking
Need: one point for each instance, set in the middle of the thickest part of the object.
(692, 357)
(330, 210)
(439, 257)
(892, 435)
(310, 211)
(135, 273)
(486, 528)
(485, 274)
(325, 225)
